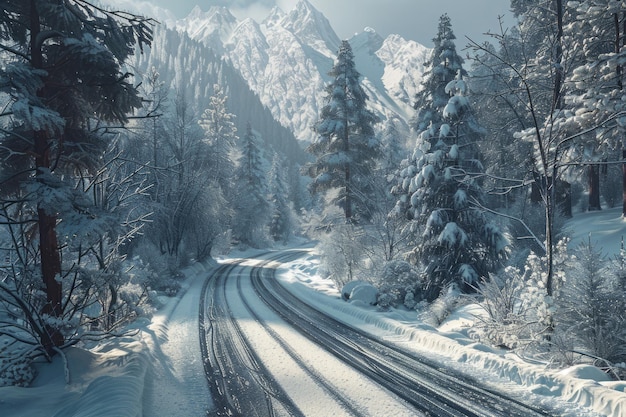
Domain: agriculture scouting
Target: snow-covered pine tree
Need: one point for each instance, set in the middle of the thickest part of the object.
(220, 134)
(62, 71)
(458, 244)
(281, 220)
(251, 205)
(393, 146)
(439, 189)
(590, 306)
(442, 68)
(346, 148)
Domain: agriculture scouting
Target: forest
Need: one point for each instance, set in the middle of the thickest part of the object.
(121, 163)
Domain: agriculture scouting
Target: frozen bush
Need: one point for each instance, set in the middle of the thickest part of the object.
(17, 372)
(591, 306)
(436, 312)
(15, 366)
(508, 321)
(399, 285)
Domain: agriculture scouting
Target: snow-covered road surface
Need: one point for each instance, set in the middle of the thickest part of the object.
(271, 354)
(269, 368)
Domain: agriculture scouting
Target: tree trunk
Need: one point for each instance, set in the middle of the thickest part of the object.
(49, 252)
(624, 182)
(594, 188)
(549, 196)
(346, 147)
(48, 245)
(557, 100)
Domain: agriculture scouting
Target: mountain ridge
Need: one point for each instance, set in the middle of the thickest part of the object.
(287, 56)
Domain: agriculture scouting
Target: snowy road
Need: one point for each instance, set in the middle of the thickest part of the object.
(269, 353)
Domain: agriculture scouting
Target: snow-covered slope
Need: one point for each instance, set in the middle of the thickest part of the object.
(286, 58)
(213, 27)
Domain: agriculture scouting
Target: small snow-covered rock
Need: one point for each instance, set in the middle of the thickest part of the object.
(347, 289)
(365, 293)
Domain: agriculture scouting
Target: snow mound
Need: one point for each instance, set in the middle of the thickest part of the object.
(360, 292)
(366, 294)
(347, 289)
(586, 372)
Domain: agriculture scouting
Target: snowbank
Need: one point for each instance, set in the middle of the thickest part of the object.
(107, 381)
(110, 379)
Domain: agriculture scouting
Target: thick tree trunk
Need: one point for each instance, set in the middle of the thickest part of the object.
(594, 188)
(624, 182)
(348, 201)
(49, 252)
(47, 222)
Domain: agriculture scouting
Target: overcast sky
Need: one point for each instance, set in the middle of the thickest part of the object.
(412, 19)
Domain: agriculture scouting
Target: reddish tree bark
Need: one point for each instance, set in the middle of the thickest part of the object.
(48, 244)
(594, 188)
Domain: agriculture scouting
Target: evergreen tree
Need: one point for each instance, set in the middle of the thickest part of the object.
(346, 148)
(251, 205)
(443, 67)
(63, 74)
(220, 134)
(439, 189)
(393, 148)
(281, 211)
(596, 85)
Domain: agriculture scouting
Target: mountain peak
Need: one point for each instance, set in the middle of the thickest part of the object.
(274, 18)
(196, 12)
(212, 27)
(305, 5)
(312, 28)
(369, 39)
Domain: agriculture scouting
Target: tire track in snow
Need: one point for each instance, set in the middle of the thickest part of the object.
(330, 389)
(239, 382)
(421, 384)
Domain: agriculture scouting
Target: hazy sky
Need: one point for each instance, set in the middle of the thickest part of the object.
(412, 19)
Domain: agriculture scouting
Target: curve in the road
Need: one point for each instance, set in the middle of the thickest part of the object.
(239, 383)
(418, 383)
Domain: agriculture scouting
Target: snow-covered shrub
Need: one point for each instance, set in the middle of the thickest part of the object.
(436, 312)
(343, 252)
(385, 301)
(592, 307)
(160, 272)
(507, 321)
(534, 297)
(399, 284)
(15, 371)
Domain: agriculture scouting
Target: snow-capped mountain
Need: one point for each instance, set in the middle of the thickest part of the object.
(286, 58)
(213, 28)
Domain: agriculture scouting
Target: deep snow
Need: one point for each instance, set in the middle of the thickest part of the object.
(158, 372)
